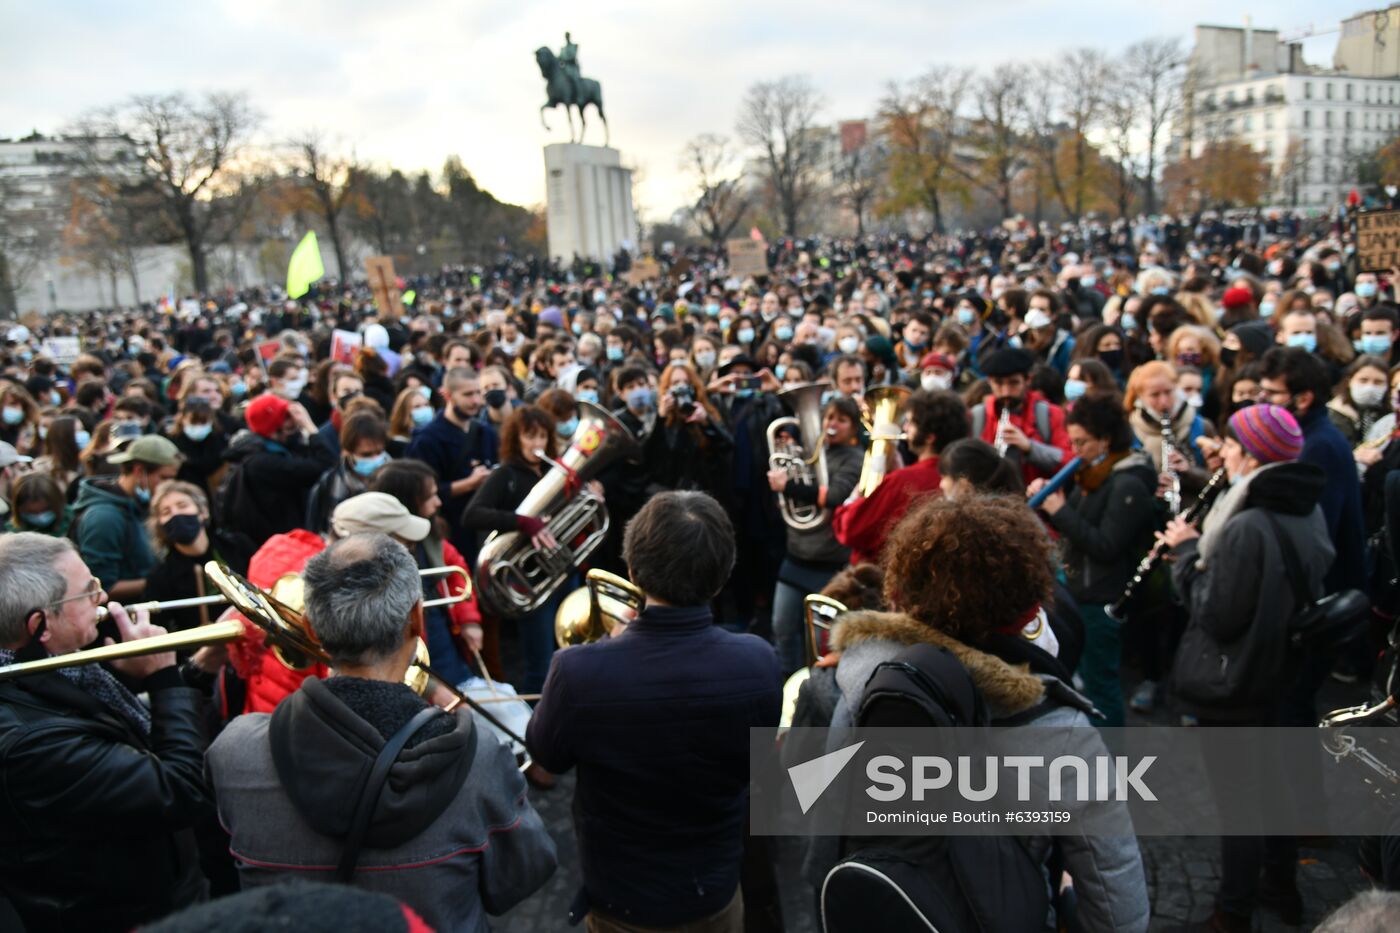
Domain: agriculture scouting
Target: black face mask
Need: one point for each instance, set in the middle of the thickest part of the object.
(1112, 358)
(182, 529)
(1228, 356)
(496, 398)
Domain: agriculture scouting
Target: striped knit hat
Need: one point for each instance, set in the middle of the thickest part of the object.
(1268, 433)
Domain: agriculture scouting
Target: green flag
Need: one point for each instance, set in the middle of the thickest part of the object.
(305, 266)
(409, 296)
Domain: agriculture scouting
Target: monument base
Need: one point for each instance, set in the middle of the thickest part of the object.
(589, 198)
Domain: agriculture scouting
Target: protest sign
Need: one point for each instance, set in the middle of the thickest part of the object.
(1378, 240)
(747, 257)
(384, 285)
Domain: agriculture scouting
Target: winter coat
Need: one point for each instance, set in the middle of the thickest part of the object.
(1355, 424)
(1041, 422)
(864, 524)
(663, 759)
(819, 545)
(179, 576)
(336, 485)
(111, 534)
(1104, 533)
(452, 836)
(95, 818)
(1109, 883)
(1232, 662)
(269, 497)
(1324, 446)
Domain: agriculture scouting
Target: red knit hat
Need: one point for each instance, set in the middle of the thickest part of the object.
(1237, 297)
(266, 413)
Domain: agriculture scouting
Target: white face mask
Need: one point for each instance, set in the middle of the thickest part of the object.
(848, 345)
(934, 382)
(292, 388)
(1367, 396)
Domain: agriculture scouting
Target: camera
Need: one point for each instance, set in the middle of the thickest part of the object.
(684, 396)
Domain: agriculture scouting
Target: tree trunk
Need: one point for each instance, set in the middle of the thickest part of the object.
(333, 225)
(135, 282)
(1151, 192)
(112, 283)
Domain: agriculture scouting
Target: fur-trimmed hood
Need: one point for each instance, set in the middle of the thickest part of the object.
(867, 639)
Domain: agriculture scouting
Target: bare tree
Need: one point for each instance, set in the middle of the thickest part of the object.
(1066, 103)
(720, 200)
(188, 150)
(779, 118)
(860, 179)
(330, 183)
(1155, 72)
(921, 127)
(997, 137)
(1119, 122)
(29, 230)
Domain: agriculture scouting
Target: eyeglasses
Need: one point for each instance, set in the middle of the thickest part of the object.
(93, 591)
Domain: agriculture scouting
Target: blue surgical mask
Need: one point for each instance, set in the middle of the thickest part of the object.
(422, 415)
(743, 393)
(782, 332)
(1365, 289)
(143, 495)
(967, 317)
(1088, 281)
(81, 438)
(1075, 388)
(1306, 341)
(1161, 290)
(1374, 345)
(1014, 342)
(38, 519)
(614, 353)
(1128, 321)
(746, 335)
(587, 395)
(1266, 309)
(239, 389)
(13, 414)
(712, 309)
(566, 429)
(640, 397)
(365, 466)
(780, 371)
(576, 327)
(197, 432)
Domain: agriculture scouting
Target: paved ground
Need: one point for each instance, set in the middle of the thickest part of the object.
(1182, 873)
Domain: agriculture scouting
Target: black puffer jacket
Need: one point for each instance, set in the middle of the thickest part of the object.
(1106, 532)
(94, 816)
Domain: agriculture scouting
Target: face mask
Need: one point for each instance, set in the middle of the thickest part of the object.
(292, 388)
(1075, 389)
(614, 353)
(422, 415)
(587, 395)
(1112, 358)
(1128, 321)
(365, 466)
(712, 309)
(55, 399)
(566, 429)
(81, 438)
(1306, 341)
(828, 395)
(143, 495)
(911, 345)
(1365, 289)
(1374, 345)
(933, 382)
(496, 398)
(1188, 359)
(782, 333)
(639, 398)
(1367, 396)
(1014, 342)
(1194, 400)
(780, 371)
(705, 359)
(38, 519)
(197, 432)
(1228, 356)
(746, 393)
(848, 345)
(1266, 309)
(967, 317)
(13, 415)
(1088, 281)
(746, 335)
(1334, 267)
(576, 327)
(182, 529)
(1161, 290)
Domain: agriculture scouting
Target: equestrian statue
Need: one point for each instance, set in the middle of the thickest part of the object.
(565, 85)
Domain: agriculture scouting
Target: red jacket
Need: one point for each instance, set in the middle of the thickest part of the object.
(1046, 455)
(466, 612)
(864, 524)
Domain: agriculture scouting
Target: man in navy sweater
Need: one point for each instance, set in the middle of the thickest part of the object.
(657, 721)
(460, 448)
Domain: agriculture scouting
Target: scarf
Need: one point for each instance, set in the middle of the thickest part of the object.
(96, 681)
(1231, 502)
(1094, 475)
(1148, 429)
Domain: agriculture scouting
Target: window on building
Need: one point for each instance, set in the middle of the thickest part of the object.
(1327, 119)
(1366, 121)
(1329, 90)
(1307, 119)
(1248, 124)
(1348, 92)
(1327, 146)
(1268, 121)
(1327, 171)
(1229, 127)
(1368, 93)
(1307, 90)
(1346, 119)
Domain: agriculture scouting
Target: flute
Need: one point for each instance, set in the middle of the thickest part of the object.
(1055, 482)
(1118, 610)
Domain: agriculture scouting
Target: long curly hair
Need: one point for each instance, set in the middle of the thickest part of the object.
(967, 567)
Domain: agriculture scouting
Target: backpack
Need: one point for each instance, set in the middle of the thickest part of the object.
(947, 884)
(1041, 412)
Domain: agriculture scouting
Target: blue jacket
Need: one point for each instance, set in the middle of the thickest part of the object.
(452, 453)
(657, 721)
(1324, 446)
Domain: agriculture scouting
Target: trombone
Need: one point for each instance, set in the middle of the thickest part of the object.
(597, 609)
(287, 581)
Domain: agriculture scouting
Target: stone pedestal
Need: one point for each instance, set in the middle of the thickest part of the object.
(589, 196)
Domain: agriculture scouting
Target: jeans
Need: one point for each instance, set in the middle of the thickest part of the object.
(789, 621)
(442, 649)
(1098, 666)
(537, 638)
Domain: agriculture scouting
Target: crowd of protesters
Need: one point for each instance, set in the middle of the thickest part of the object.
(245, 428)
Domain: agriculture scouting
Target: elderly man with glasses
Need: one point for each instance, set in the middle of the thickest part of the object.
(101, 791)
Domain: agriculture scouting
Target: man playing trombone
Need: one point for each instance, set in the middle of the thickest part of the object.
(101, 792)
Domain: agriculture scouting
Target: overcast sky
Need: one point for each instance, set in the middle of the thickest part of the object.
(409, 82)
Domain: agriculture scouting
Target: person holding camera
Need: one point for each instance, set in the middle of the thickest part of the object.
(690, 447)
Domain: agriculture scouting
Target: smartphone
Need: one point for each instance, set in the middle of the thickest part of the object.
(748, 382)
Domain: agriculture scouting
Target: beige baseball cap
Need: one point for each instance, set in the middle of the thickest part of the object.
(148, 448)
(378, 511)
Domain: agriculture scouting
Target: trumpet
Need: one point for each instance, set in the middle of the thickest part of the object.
(596, 609)
(219, 599)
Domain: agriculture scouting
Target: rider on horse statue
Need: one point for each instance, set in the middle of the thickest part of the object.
(568, 63)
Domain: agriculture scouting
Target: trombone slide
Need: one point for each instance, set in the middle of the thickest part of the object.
(213, 634)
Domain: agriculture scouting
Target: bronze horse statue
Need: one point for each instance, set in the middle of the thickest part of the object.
(561, 90)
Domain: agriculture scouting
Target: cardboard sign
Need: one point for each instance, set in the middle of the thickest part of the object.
(64, 350)
(1378, 240)
(383, 284)
(643, 270)
(268, 350)
(747, 257)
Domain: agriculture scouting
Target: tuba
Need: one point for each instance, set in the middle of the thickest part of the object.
(512, 575)
(783, 454)
(882, 408)
(596, 609)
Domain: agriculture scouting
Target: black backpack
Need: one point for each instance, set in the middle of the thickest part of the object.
(947, 884)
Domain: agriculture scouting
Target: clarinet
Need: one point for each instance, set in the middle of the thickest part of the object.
(1173, 493)
(1119, 609)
